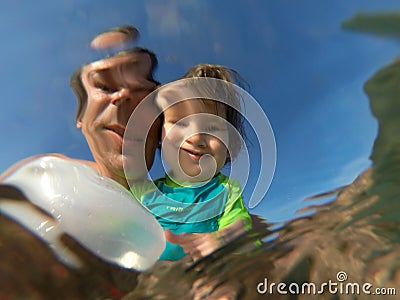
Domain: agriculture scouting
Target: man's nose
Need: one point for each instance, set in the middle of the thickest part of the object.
(120, 96)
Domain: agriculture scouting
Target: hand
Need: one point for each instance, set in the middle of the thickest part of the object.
(198, 245)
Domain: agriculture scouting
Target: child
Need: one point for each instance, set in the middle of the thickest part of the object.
(199, 136)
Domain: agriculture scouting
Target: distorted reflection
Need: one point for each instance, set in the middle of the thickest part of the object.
(351, 236)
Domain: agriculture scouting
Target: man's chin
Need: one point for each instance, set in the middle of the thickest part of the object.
(116, 162)
(131, 167)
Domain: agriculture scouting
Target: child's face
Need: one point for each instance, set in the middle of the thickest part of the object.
(193, 140)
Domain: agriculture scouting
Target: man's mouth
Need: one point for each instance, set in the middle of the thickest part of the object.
(116, 128)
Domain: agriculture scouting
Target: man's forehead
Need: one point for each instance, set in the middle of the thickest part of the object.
(135, 60)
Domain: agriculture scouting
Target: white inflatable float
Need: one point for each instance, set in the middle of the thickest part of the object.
(97, 211)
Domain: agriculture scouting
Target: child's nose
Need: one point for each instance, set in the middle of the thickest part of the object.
(197, 139)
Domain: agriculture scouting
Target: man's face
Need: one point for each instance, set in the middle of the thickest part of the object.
(115, 86)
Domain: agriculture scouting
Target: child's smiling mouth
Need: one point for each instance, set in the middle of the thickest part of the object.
(195, 155)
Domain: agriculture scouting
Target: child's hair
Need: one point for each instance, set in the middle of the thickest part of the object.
(232, 115)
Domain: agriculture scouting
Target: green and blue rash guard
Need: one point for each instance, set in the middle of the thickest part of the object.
(193, 209)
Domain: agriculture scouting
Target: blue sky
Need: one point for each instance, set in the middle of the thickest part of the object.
(304, 70)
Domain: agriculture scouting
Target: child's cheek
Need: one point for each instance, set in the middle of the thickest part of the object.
(175, 136)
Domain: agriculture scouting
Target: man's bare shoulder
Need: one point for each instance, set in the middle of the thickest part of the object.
(31, 158)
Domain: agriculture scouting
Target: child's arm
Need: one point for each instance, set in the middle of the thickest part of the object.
(198, 245)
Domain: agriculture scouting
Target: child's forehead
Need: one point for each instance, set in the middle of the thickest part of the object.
(198, 105)
(197, 88)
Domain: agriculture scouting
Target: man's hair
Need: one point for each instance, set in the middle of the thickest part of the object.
(80, 91)
(232, 115)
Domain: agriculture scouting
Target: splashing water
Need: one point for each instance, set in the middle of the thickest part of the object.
(95, 210)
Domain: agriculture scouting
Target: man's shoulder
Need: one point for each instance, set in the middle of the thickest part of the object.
(23, 162)
(59, 155)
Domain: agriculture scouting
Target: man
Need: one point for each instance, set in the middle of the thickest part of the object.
(108, 90)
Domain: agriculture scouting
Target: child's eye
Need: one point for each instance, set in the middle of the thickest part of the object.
(178, 123)
(181, 124)
(213, 128)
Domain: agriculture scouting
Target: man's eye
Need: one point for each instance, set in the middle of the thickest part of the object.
(105, 88)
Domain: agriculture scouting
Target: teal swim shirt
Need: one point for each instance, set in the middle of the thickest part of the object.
(193, 208)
